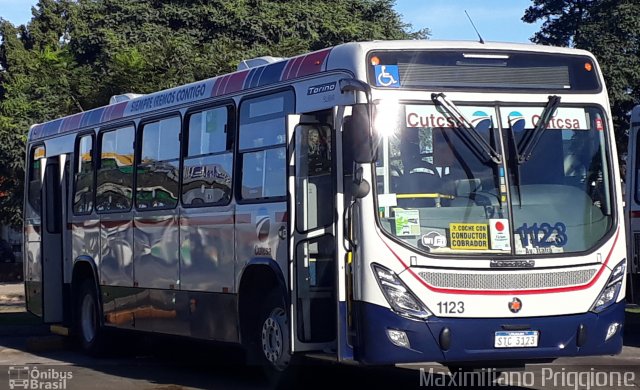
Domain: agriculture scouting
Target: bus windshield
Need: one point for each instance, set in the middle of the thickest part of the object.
(439, 193)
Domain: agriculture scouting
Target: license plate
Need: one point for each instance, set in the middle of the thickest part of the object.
(521, 339)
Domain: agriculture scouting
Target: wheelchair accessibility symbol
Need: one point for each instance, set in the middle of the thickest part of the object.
(387, 76)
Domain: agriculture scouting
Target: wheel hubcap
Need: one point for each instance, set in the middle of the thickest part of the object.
(88, 318)
(272, 337)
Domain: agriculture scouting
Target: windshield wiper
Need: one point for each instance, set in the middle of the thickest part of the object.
(470, 133)
(541, 126)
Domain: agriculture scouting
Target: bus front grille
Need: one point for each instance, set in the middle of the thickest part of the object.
(506, 280)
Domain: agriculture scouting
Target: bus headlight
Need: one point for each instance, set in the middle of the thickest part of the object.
(400, 298)
(610, 293)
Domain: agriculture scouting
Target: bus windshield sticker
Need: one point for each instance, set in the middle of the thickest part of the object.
(520, 118)
(468, 236)
(434, 239)
(542, 238)
(407, 222)
(387, 76)
(428, 116)
(499, 233)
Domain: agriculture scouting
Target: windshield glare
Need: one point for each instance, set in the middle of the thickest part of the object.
(438, 193)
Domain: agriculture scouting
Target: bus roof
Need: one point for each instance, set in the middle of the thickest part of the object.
(277, 72)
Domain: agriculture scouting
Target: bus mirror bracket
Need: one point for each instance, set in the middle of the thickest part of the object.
(361, 187)
(358, 126)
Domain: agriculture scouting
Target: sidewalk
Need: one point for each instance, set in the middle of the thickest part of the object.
(11, 297)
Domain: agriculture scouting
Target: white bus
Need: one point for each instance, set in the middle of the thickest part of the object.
(375, 202)
(632, 205)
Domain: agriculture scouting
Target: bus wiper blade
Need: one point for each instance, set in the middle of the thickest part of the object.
(470, 132)
(541, 126)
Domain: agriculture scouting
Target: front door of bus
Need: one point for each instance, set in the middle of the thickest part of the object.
(312, 185)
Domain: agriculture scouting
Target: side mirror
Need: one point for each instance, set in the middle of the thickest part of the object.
(357, 133)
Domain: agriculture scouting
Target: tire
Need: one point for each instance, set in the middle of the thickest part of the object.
(89, 329)
(269, 343)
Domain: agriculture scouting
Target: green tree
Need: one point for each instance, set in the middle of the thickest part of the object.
(610, 29)
(145, 45)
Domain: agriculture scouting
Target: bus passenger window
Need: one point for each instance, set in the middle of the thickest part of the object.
(262, 140)
(208, 167)
(115, 172)
(83, 179)
(157, 173)
(35, 178)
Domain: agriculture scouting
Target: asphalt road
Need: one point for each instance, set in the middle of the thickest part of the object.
(174, 364)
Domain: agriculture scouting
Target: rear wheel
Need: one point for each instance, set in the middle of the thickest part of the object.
(91, 334)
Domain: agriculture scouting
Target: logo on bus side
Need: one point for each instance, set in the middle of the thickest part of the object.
(322, 88)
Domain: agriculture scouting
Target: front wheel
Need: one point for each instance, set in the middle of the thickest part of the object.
(270, 342)
(274, 338)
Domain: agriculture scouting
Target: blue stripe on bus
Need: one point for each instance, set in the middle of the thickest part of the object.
(272, 73)
(52, 128)
(252, 78)
(92, 117)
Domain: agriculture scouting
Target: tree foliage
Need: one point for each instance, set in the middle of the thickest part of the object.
(74, 54)
(610, 29)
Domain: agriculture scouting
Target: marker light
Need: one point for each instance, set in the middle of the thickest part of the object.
(400, 298)
(610, 293)
(588, 67)
(375, 61)
(613, 329)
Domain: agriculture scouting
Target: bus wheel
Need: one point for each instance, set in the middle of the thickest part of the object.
(272, 345)
(274, 334)
(90, 332)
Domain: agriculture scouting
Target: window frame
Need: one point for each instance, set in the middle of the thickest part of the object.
(138, 138)
(98, 164)
(288, 93)
(33, 148)
(76, 160)
(231, 144)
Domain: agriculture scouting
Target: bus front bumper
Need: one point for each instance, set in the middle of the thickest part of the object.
(472, 339)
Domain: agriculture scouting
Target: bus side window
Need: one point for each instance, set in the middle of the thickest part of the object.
(208, 165)
(83, 176)
(262, 142)
(158, 164)
(115, 172)
(35, 178)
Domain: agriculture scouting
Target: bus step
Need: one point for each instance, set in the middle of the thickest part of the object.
(59, 330)
(327, 357)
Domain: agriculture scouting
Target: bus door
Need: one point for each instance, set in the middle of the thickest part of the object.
(52, 230)
(312, 250)
(632, 204)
